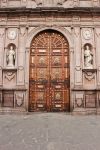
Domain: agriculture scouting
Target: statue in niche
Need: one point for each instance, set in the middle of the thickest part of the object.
(11, 56)
(88, 58)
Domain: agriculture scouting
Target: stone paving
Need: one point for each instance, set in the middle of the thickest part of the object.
(49, 131)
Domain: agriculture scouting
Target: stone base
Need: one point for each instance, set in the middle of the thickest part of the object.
(79, 111)
(91, 111)
(98, 111)
(12, 111)
(85, 111)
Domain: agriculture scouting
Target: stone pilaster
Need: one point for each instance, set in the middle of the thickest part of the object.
(2, 37)
(77, 50)
(21, 56)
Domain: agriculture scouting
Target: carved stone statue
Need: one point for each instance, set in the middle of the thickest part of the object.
(10, 57)
(88, 58)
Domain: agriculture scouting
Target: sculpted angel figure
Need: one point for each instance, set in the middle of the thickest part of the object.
(88, 58)
(10, 57)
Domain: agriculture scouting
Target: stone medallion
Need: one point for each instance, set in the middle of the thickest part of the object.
(12, 34)
(87, 34)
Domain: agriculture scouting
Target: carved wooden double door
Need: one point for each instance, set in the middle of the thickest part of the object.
(49, 72)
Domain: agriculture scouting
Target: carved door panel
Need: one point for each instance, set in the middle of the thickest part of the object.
(49, 72)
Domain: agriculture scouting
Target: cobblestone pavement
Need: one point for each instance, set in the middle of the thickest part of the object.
(49, 131)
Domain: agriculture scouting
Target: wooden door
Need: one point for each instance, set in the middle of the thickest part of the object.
(49, 72)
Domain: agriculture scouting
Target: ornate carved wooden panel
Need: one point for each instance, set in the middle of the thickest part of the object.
(49, 72)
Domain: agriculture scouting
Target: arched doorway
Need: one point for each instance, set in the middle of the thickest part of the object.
(49, 77)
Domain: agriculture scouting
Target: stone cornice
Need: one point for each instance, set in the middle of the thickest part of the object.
(75, 10)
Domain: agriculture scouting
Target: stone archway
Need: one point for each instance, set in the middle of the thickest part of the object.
(49, 77)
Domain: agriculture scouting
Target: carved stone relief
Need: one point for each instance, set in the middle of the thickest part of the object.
(19, 98)
(9, 75)
(87, 34)
(12, 34)
(89, 76)
(9, 78)
(79, 101)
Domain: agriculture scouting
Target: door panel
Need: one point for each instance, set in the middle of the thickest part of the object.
(49, 72)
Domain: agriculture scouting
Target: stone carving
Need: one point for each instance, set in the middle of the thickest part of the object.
(22, 31)
(38, 2)
(88, 58)
(60, 2)
(12, 35)
(89, 75)
(79, 102)
(19, 99)
(11, 56)
(9, 75)
(87, 34)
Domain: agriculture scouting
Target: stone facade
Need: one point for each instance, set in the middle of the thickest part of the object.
(78, 21)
